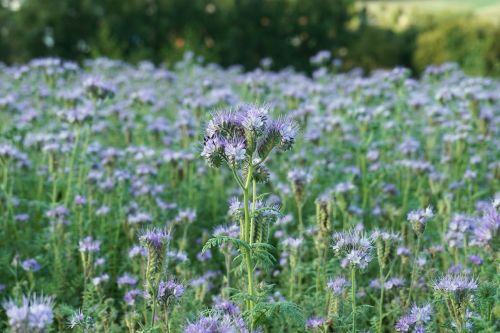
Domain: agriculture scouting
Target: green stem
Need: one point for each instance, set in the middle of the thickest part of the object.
(72, 165)
(301, 221)
(414, 270)
(353, 298)
(254, 207)
(248, 257)
(381, 301)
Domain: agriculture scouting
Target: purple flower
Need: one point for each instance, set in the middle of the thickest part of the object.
(126, 279)
(417, 318)
(475, 260)
(98, 89)
(255, 118)
(169, 291)
(31, 265)
(88, 244)
(455, 284)
(33, 314)
(354, 247)
(315, 322)
(79, 319)
(419, 218)
(131, 295)
(337, 285)
(293, 243)
(486, 227)
(155, 239)
(235, 151)
(137, 250)
(227, 307)
(139, 218)
(403, 251)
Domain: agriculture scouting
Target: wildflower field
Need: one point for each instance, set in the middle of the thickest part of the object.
(192, 198)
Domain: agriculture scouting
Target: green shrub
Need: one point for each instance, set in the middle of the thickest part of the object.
(373, 47)
(464, 40)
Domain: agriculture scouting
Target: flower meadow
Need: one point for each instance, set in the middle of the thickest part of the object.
(193, 198)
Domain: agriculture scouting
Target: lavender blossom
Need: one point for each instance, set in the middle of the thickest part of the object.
(33, 314)
(419, 218)
(416, 320)
(354, 248)
(88, 244)
(168, 292)
(31, 265)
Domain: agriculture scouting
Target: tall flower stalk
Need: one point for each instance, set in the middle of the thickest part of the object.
(355, 250)
(243, 138)
(418, 220)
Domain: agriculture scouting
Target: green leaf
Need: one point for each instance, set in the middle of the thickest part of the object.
(219, 240)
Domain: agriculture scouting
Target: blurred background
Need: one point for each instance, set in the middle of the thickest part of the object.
(366, 34)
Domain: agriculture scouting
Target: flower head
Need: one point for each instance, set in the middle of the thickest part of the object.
(155, 239)
(31, 265)
(234, 134)
(337, 285)
(419, 218)
(457, 284)
(88, 244)
(169, 291)
(354, 247)
(33, 314)
(416, 319)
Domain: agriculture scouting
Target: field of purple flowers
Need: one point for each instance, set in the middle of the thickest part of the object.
(136, 198)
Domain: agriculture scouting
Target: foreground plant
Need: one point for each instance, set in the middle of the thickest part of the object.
(156, 291)
(32, 315)
(456, 291)
(243, 139)
(355, 251)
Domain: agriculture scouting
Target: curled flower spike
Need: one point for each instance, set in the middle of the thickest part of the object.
(155, 241)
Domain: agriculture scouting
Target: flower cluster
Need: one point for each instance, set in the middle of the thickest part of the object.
(168, 292)
(354, 248)
(32, 314)
(459, 286)
(234, 135)
(419, 218)
(416, 320)
(225, 317)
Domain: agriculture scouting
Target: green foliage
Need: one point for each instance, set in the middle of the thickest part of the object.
(219, 240)
(229, 32)
(374, 47)
(470, 43)
(289, 311)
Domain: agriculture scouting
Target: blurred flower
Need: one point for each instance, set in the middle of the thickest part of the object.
(30, 265)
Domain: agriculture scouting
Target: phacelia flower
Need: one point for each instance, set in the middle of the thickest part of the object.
(354, 248)
(31, 265)
(169, 291)
(416, 320)
(33, 314)
(419, 218)
(88, 244)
